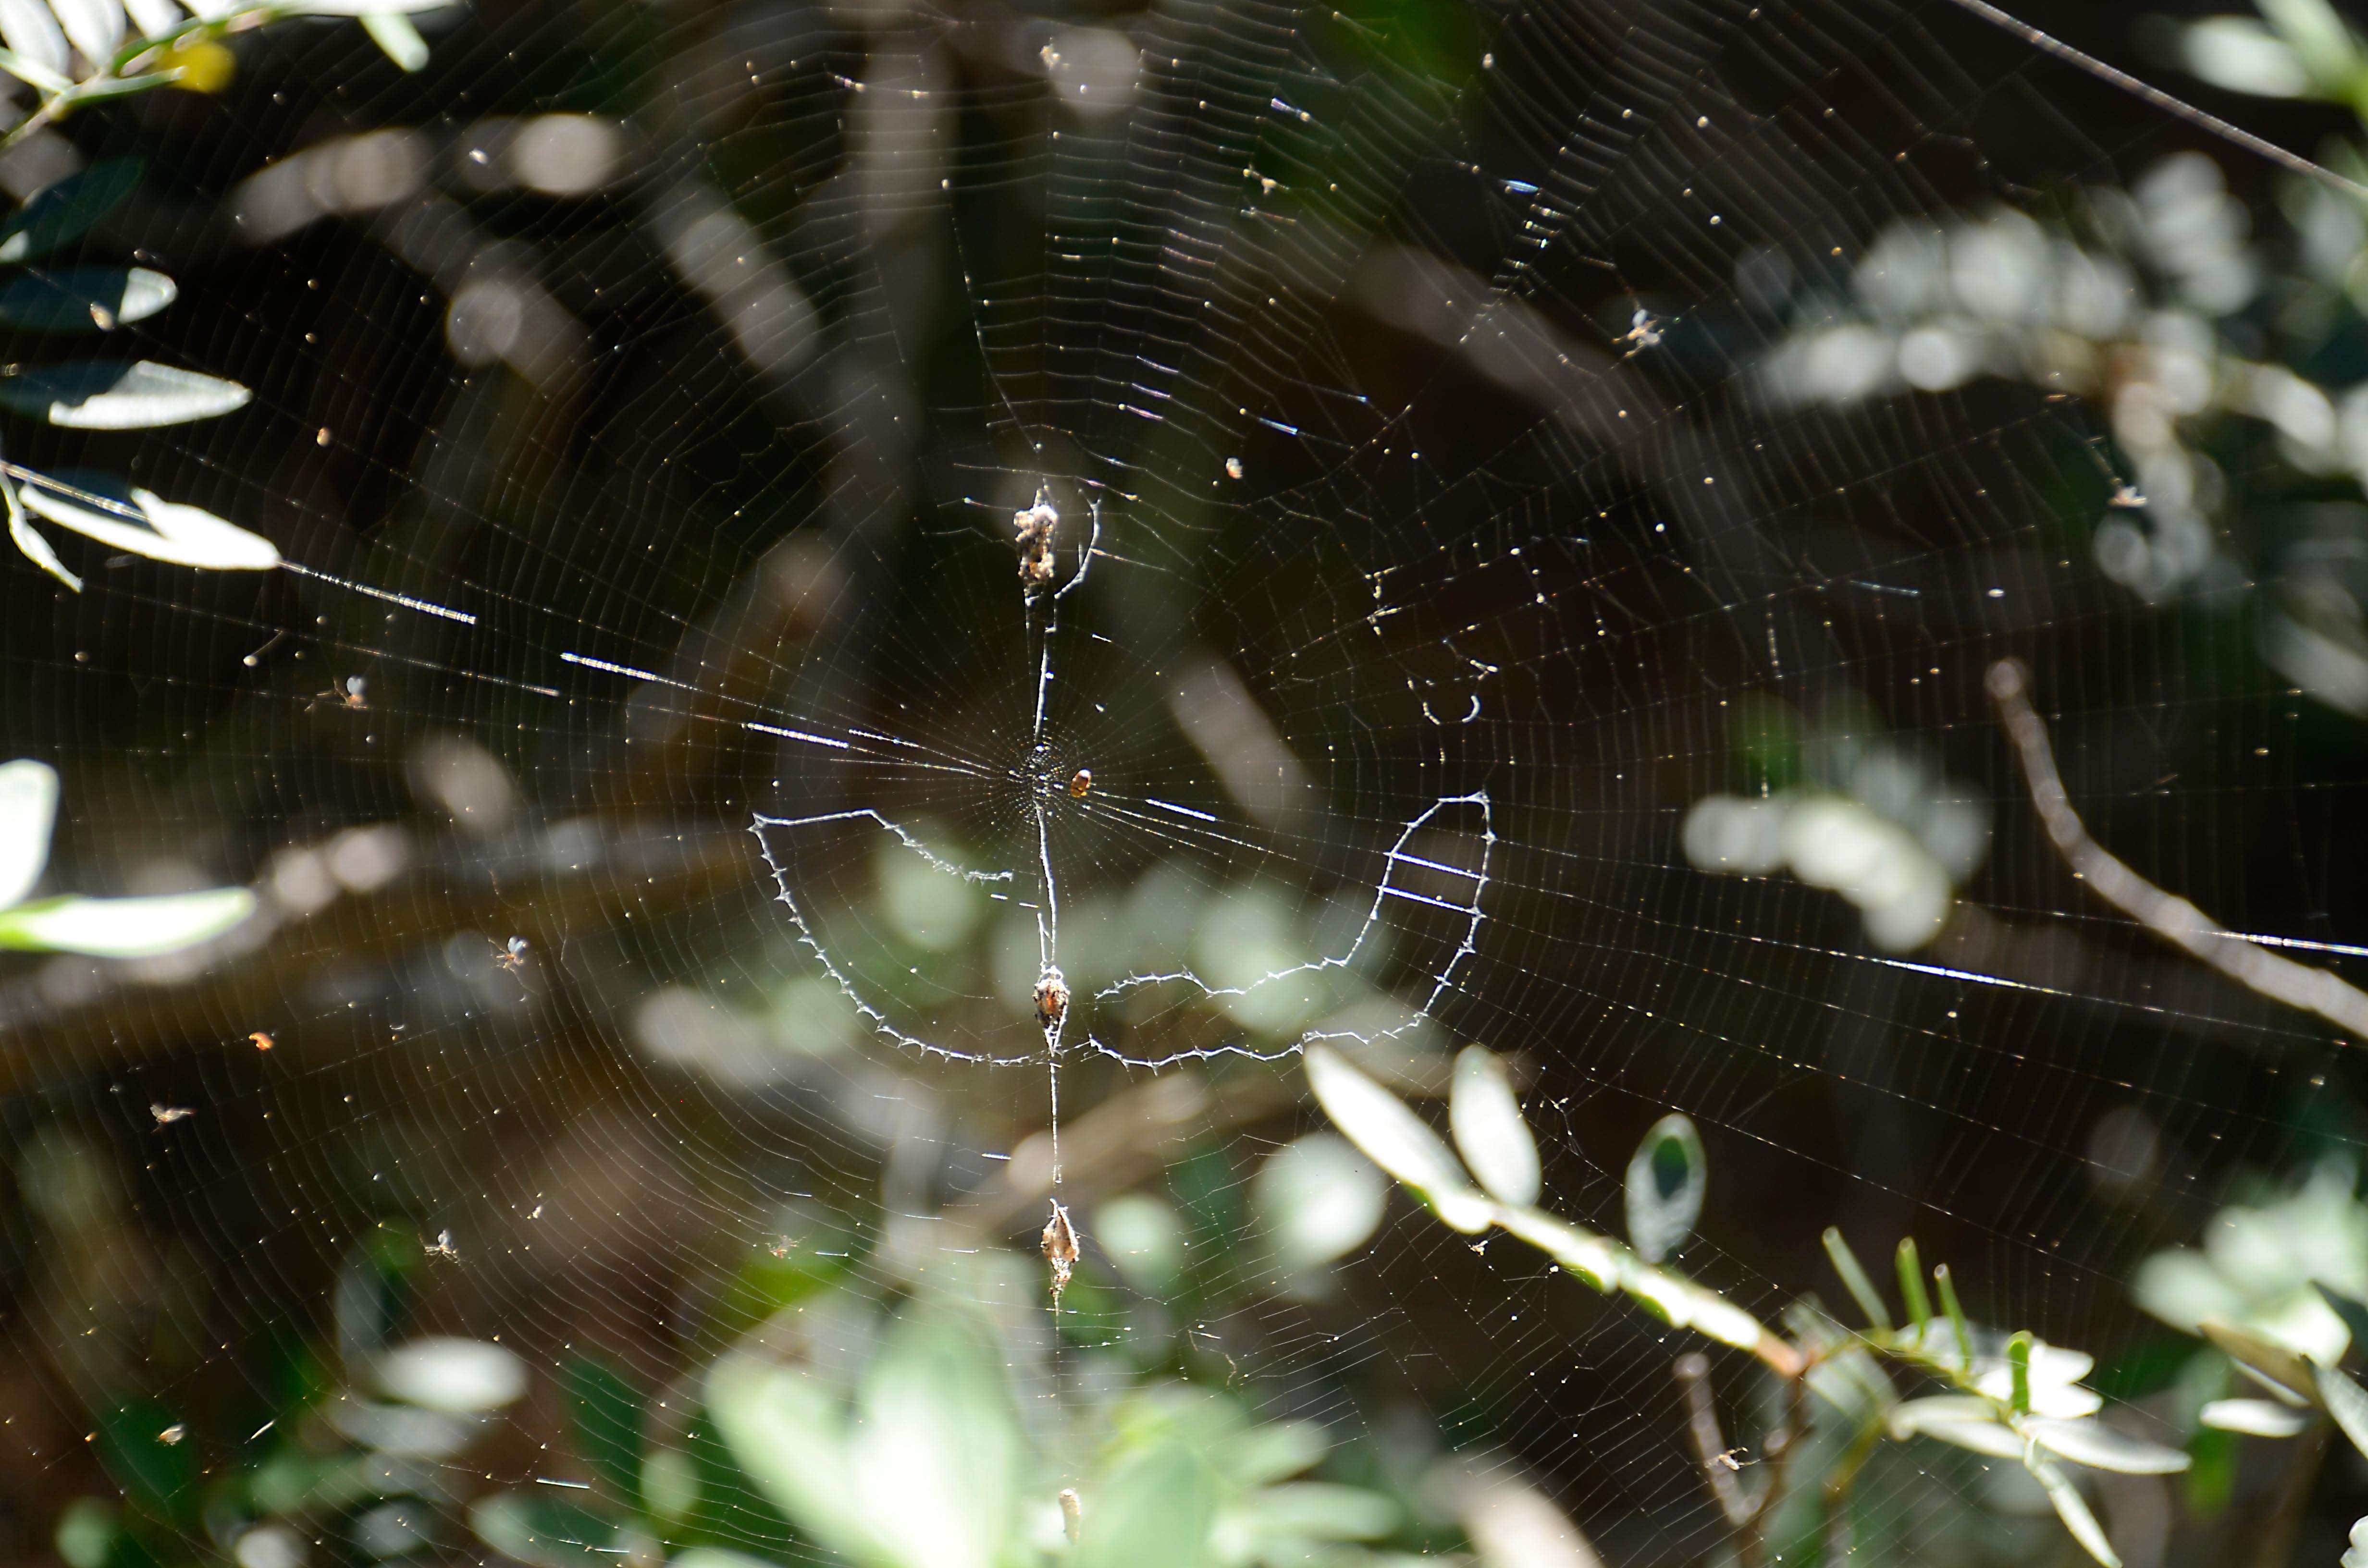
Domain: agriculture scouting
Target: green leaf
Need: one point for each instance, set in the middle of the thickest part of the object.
(1963, 1419)
(542, 1531)
(1154, 1513)
(1666, 1178)
(2100, 1447)
(2353, 1313)
(1958, 1325)
(102, 507)
(83, 298)
(124, 927)
(1320, 1510)
(2018, 1367)
(604, 1418)
(2073, 1509)
(392, 32)
(1395, 1139)
(104, 394)
(1490, 1130)
(1855, 1281)
(28, 815)
(66, 210)
(34, 75)
(93, 26)
(1911, 1282)
(788, 1432)
(2239, 55)
(936, 1447)
(2347, 1401)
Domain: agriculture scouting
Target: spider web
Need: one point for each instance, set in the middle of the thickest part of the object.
(652, 405)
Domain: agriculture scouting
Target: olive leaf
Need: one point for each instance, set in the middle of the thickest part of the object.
(1666, 1178)
(1490, 1130)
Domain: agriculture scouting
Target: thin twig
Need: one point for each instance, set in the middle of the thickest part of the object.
(2167, 916)
(1692, 1371)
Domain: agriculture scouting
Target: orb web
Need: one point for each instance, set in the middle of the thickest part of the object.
(805, 526)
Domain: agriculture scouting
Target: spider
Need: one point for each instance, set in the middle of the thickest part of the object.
(349, 696)
(1052, 997)
(513, 955)
(442, 1246)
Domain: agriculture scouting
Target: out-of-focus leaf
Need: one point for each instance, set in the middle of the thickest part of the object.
(1854, 1279)
(2256, 1417)
(2239, 54)
(1269, 1453)
(393, 33)
(62, 211)
(83, 298)
(93, 26)
(2073, 1509)
(1490, 1131)
(1394, 1138)
(111, 394)
(2353, 1313)
(2347, 1401)
(604, 1418)
(363, 7)
(34, 37)
(460, 1377)
(542, 1531)
(2356, 1556)
(935, 1451)
(669, 1484)
(130, 518)
(788, 1433)
(2272, 1362)
(124, 927)
(87, 1533)
(1317, 1199)
(2321, 40)
(2100, 1447)
(1155, 1512)
(716, 1557)
(1320, 1510)
(28, 815)
(1666, 1178)
(1961, 1419)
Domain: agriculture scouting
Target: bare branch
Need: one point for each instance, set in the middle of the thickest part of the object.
(2167, 916)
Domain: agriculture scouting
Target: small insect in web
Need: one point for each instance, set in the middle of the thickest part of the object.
(173, 1434)
(513, 954)
(349, 696)
(1034, 528)
(2126, 495)
(260, 1040)
(1644, 331)
(779, 1246)
(1232, 467)
(1732, 1461)
(166, 1115)
(1051, 998)
(443, 1247)
(1060, 1243)
(1081, 783)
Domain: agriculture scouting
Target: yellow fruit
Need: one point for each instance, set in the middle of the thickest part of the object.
(205, 66)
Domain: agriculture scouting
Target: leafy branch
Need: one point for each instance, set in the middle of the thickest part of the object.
(2006, 1396)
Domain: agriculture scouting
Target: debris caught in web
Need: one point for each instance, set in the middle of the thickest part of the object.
(1060, 1245)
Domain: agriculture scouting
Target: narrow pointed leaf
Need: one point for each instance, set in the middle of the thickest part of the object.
(2272, 1362)
(144, 523)
(394, 34)
(1395, 1139)
(1490, 1130)
(1666, 1178)
(2100, 1447)
(34, 37)
(2347, 1401)
(83, 298)
(93, 26)
(104, 394)
(2255, 1417)
(1959, 1419)
(35, 547)
(62, 211)
(1911, 1283)
(1855, 1281)
(28, 814)
(124, 927)
(2073, 1509)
